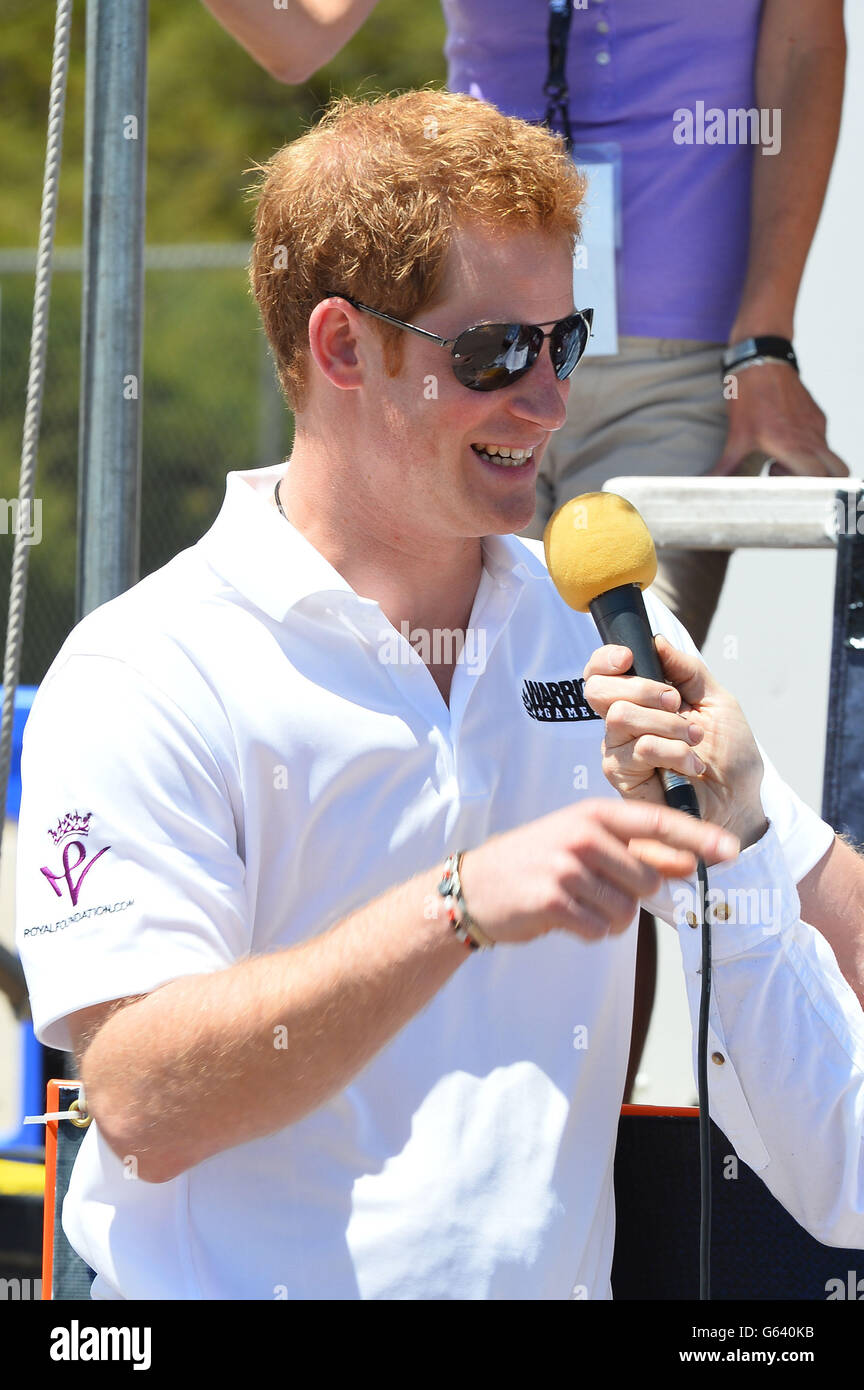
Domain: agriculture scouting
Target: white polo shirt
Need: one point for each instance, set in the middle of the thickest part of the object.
(231, 757)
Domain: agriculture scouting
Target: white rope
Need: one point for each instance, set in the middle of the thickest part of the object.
(77, 1113)
(35, 387)
(54, 1115)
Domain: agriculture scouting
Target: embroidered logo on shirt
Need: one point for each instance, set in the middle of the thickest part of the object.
(72, 827)
(551, 701)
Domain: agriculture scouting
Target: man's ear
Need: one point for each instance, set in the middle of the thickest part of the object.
(338, 342)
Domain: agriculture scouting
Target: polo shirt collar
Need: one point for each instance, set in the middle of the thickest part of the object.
(272, 564)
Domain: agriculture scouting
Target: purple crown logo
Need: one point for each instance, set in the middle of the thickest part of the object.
(71, 824)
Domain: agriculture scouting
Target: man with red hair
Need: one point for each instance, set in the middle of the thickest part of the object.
(340, 924)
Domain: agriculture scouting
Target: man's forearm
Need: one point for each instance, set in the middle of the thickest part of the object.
(211, 1061)
(296, 39)
(832, 901)
(800, 74)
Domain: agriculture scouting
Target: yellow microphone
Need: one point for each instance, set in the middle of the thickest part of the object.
(601, 556)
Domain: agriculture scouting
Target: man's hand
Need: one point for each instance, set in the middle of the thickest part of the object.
(584, 869)
(692, 726)
(775, 414)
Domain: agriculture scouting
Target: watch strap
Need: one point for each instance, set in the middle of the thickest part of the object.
(766, 347)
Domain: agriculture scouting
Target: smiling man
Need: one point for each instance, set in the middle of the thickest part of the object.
(327, 1056)
(441, 465)
(417, 472)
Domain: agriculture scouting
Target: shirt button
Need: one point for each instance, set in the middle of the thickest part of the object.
(718, 1058)
(692, 920)
(604, 57)
(602, 27)
(721, 912)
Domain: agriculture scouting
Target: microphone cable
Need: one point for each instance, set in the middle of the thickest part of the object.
(605, 576)
(702, 1091)
(680, 796)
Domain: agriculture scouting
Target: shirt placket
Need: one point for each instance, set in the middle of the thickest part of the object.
(493, 604)
(591, 47)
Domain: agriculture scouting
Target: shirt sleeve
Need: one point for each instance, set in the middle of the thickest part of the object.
(785, 1042)
(128, 870)
(804, 836)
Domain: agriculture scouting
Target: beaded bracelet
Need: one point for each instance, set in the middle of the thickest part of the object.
(464, 926)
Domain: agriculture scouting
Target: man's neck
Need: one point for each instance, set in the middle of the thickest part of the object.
(431, 589)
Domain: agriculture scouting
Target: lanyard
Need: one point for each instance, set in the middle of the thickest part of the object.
(555, 86)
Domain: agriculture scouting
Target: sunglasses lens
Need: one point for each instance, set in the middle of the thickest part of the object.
(495, 354)
(567, 344)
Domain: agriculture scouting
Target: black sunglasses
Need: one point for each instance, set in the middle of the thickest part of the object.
(492, 355)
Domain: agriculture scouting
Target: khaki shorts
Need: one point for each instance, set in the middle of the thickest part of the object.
(655, 409)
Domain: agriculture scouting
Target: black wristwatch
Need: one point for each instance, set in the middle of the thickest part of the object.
(766, 349)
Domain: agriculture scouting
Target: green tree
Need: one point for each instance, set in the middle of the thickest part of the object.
(212, 113)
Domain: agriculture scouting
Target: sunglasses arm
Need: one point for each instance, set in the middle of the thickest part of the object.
(442, 342)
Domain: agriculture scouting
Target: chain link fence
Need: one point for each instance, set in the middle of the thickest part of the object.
(211, 404)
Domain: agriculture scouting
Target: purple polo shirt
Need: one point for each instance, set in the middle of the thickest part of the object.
(631, 65)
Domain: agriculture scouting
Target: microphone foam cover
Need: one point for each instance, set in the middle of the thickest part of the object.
(593, 544)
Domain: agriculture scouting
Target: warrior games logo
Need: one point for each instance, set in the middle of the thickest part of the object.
(557, 700)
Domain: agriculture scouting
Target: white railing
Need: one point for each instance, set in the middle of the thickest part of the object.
(732, 513)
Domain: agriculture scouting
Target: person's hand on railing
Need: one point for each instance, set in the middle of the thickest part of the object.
(773, 413)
